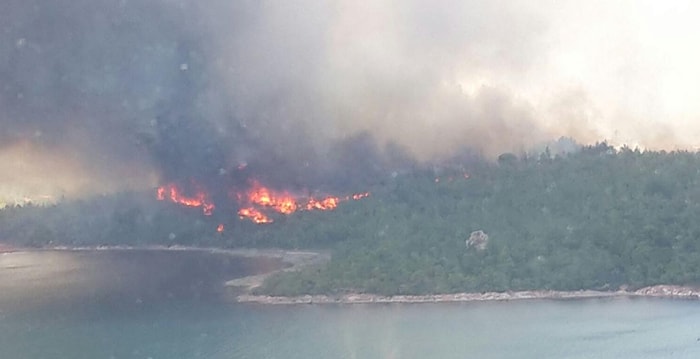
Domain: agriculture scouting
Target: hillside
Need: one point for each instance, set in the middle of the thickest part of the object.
(596, 219)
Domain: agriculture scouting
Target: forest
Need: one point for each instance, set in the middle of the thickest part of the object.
(597, 218)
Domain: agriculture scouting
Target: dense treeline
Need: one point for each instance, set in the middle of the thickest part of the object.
(599, 218)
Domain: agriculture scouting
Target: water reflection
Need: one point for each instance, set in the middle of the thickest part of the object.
(125, 280)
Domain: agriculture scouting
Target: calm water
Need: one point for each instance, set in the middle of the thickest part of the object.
(171, 305)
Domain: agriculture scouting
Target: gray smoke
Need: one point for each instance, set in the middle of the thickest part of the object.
(298, 92)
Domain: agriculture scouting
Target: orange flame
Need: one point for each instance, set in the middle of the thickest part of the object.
(326, 204)
(257, 198)
(254, 215)
(283, 202)
(174, 195)
(280, 202)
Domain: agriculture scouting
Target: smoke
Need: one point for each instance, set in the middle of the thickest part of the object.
(396, 70)
(299, 91)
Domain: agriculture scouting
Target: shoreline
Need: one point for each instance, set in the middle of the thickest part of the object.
(298, 259)
(289, 256)
(291, 260)
(657, 291)
(295, 260)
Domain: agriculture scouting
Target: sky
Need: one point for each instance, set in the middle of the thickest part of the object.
(515, 72)
(85, 83)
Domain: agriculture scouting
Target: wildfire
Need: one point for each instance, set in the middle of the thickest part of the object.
(279, 202)
(254, 215)
(256, 201)
(284, 203)
(172, 193)
(325, 204)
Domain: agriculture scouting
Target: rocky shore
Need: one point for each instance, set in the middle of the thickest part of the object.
(665, 291)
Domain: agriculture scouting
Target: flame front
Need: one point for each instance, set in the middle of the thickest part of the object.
(325, 204)
(255, 201)
(254, 215)
(259, 197)
(280, 202)
(172, 193)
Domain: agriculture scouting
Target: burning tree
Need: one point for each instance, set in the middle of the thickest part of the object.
(255, 202)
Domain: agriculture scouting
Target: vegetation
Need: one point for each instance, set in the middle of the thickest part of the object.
(599, 218)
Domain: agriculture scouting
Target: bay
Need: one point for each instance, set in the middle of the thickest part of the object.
(169, 304)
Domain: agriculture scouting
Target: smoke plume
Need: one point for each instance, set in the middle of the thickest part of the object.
(310, 92)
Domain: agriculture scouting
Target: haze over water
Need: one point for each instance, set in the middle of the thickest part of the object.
(170, 305)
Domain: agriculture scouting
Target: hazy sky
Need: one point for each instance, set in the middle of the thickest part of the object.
(500, 75)
(626, 68)
(432, 76)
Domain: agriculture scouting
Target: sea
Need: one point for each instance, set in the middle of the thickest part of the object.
(172, 304)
